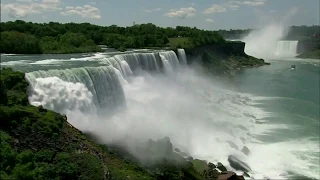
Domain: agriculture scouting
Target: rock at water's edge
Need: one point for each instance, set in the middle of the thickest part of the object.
(238, 165)
(245, 150)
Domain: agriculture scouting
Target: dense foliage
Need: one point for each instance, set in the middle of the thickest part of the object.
(53, 37)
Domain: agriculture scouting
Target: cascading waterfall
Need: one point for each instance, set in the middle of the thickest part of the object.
(102, 82)
(182, 56)
(287, 48)
(140, 100)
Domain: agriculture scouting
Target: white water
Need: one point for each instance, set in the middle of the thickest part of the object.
(287, 48)
(196, 113)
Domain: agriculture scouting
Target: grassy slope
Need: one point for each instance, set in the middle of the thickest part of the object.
(40, 144)
(180, 43)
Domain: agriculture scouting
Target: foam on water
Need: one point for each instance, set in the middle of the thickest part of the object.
(20, 62)
(197, 114)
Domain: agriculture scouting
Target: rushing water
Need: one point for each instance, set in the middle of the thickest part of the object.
(273, 110)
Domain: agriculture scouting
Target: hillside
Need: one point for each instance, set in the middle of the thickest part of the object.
(40, 144)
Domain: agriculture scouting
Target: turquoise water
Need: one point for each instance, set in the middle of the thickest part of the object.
(291, 96)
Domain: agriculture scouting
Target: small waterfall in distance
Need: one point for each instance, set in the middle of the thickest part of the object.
(287, 48)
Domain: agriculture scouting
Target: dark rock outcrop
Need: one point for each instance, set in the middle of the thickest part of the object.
(238, 165)
(221, 167)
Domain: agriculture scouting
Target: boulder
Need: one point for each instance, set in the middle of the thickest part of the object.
(177, 150)
(211, 174)
(238, 165)
(211, 166)
(245, 150)
(221, 167)
(246, 174)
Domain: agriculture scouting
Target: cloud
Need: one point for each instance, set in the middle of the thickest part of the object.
(215, 8)
(182, 12)
(152, 10)
(86, 11)
(209, 20)
(27, 7)
(254, 3)
(249, 3)
(233, 6)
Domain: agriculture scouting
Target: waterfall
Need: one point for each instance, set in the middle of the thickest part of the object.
(104, 83)
(182, 56)
(286, 48)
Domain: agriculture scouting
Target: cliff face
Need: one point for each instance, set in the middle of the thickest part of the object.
(223, 58)
(308, 45)
(224, 50)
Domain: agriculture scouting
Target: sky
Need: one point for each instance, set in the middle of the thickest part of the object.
(203, 14)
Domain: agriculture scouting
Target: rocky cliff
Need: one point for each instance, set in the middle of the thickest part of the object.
(223, 58)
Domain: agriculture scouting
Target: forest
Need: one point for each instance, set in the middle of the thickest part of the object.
(20, 37)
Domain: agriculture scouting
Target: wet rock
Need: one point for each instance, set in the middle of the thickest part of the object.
(221, 167)
(177, 150)
(238, 165)
(211, 166)
(246, 174)
(190, 158)
(245, 150)
(258, 122)
(233, 145)
(211, 174)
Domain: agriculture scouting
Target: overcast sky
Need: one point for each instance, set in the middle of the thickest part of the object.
(204, 14)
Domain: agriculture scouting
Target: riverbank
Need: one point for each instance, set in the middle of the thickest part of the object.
(224, 58)
(62, 151)
(310, 55)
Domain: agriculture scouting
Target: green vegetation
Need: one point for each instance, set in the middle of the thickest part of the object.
(312, 54)
(33, 38)
(40, 144)
(218, 64)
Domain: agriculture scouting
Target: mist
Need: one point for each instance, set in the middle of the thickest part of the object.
(263, 42)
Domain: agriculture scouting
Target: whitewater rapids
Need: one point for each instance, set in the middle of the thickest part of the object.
(152, 95)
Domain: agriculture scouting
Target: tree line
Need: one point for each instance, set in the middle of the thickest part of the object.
(294, 32)
(53, 37)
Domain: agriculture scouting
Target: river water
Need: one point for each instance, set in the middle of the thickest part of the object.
(273, 110)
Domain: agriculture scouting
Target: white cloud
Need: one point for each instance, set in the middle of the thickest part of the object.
(249, 3)
(182, 12)
(253, 3)
(26, 7)
(209, 20)
(215, 8)
(233, 6)
(152, 10)
(86, 11)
